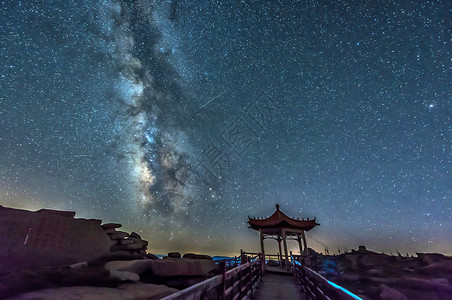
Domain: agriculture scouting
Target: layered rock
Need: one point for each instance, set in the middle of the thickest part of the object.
(174, 272)
(164, 268)
(48, 238)
(123, 241)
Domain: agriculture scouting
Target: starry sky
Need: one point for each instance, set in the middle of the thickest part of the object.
(178, 119)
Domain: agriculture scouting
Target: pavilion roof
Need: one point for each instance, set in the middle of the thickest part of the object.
(280, 220)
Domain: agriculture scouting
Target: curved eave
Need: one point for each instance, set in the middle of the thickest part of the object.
(306, 225)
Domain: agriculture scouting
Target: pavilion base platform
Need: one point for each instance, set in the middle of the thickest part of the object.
(278, 270)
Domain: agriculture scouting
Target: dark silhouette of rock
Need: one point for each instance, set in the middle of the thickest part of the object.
(174, 255)
(111, 226)
(135, 235)
(197, 256)
(152, 256)
(118, 235)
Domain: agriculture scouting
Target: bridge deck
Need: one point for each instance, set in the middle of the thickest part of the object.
(277, 286)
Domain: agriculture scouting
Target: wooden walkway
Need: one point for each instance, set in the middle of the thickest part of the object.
(276, 286)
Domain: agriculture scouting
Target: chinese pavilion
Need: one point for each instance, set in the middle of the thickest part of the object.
(279, 227)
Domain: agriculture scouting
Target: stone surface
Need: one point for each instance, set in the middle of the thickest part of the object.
(134, 291)
(165, 268)
(48, 238)
(118, 255)
(26, 280)
(108, 231)
(124, 275)
(135, 235)
(118, 235)
(133, 246)
(388, 293)
(125, 242)
(111, 226)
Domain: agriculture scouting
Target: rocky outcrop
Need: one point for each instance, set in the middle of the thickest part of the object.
(135, 291)
(197, 256)
(50, 255)
(164, 268)
(174, 255)
(48, 238)
(381, 276)
(123, 241)
(174, 272)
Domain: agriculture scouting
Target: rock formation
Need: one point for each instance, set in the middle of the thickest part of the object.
(48, 238)
(122, 241)
(50, 255)
(380, 276)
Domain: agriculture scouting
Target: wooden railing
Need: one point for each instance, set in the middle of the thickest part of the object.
(315, 286)
(236, 283)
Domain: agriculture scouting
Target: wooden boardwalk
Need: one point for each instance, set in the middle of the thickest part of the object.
(278, 286)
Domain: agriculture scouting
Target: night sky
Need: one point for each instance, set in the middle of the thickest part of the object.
(179, 119)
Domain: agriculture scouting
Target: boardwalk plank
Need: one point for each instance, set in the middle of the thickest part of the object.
(275, 286)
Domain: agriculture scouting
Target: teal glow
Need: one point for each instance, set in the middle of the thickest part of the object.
(344, 290)
(333, 284)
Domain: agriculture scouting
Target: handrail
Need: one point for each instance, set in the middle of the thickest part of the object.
(316, 286)
(236, 283)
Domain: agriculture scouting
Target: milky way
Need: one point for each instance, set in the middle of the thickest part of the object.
(179, 119)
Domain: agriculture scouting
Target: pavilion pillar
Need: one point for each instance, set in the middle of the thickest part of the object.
(261, 234)
(306, 253)
(280, 252)
(285, 247)
(305, 244)
(299, 244)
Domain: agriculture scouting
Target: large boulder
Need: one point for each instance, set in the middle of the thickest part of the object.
(111, 226)
(118, 235)
(164, 268)
(197, 256)
(48, 238)
(174, 255)
(118, 255)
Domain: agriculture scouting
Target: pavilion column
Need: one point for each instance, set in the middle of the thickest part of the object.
(305, 244)
(299, 244)
(306, 253)
(261, 234)
(285, 247)
(280, 252)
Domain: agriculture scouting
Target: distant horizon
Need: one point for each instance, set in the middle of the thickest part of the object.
(269, 244)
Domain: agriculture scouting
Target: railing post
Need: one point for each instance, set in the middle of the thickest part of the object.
(251, 276)
(223, 281)
(262, 266)
(291, 258)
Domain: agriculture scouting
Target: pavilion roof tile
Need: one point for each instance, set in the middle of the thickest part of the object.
(279, 219)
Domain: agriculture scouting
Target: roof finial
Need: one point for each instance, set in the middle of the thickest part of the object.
(277, 206)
